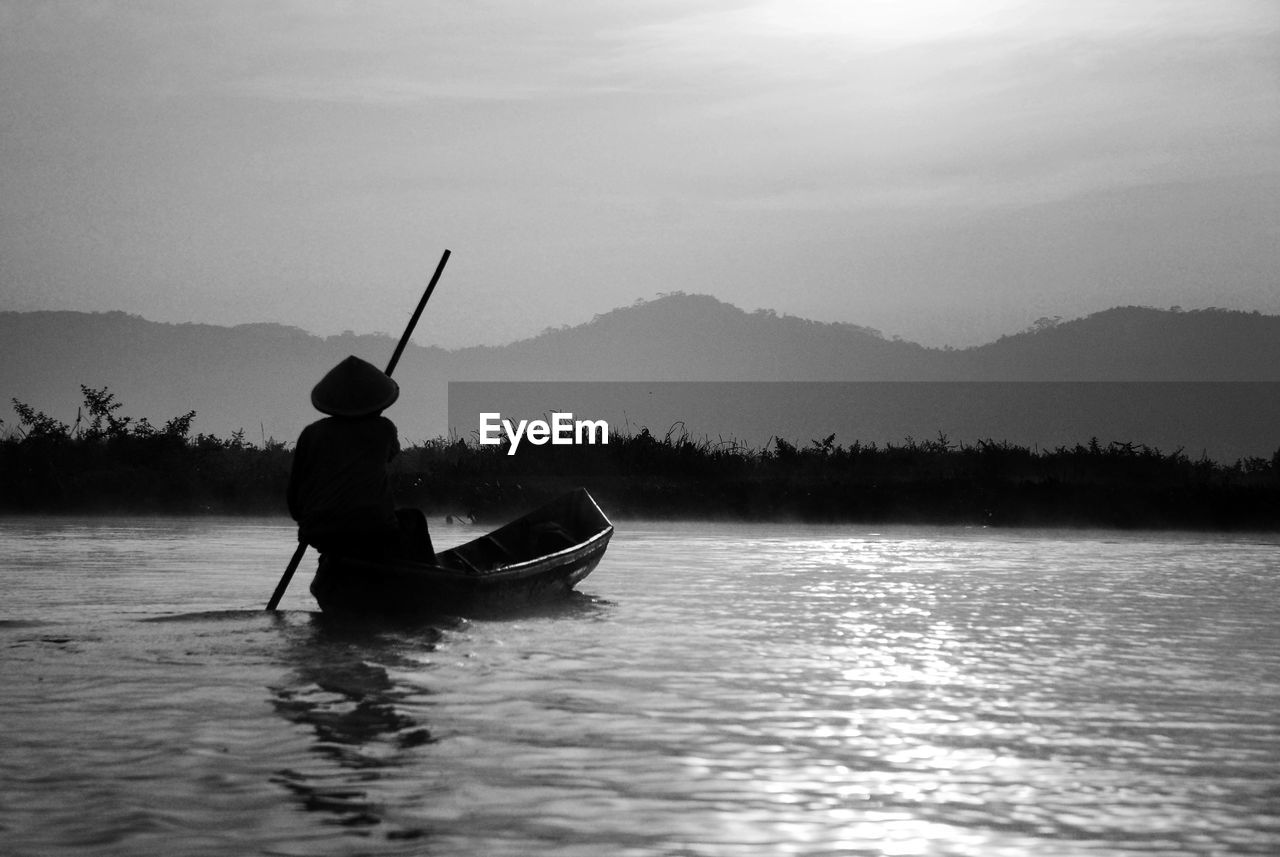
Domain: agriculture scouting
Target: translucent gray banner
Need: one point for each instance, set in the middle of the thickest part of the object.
(1221, 420)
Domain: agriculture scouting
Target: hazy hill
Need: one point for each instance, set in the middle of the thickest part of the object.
(1139, 344)
(696, 337)
(257, 377)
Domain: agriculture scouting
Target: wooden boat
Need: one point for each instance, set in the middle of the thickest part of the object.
(539, 556)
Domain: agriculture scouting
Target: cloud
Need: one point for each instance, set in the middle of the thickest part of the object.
(569, 147)
(1006, 108)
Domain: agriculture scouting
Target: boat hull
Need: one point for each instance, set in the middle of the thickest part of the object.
(538, 557)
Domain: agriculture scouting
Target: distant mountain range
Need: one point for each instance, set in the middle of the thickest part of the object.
(258, 376)
(696, 337)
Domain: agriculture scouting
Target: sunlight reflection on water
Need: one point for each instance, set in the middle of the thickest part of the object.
(717, 690)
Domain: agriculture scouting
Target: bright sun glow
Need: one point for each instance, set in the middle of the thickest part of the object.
(880, 20)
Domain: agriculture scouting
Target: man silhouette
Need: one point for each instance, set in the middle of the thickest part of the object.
(340, 485)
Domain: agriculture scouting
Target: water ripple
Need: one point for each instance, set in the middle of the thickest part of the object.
(720, 690)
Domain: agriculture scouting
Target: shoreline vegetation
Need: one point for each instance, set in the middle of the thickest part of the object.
(107, 462)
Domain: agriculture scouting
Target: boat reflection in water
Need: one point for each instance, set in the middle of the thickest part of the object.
(361, 687)
(340, 687)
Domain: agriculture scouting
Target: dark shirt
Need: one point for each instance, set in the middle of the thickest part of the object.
(339, 483)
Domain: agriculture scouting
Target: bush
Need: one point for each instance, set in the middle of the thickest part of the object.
(109, 462)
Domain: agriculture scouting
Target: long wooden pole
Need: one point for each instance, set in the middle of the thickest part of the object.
(395, 358)
(288, 576)
(417, 313)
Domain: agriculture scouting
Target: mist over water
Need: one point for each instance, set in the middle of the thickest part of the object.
(714, 690)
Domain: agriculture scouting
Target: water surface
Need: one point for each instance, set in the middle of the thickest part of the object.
(715, 690)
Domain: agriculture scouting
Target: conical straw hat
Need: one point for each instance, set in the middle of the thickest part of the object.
(354, 388)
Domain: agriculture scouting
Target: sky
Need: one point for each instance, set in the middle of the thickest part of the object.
(946, 172)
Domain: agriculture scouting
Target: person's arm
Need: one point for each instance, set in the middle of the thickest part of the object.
(393, 434)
